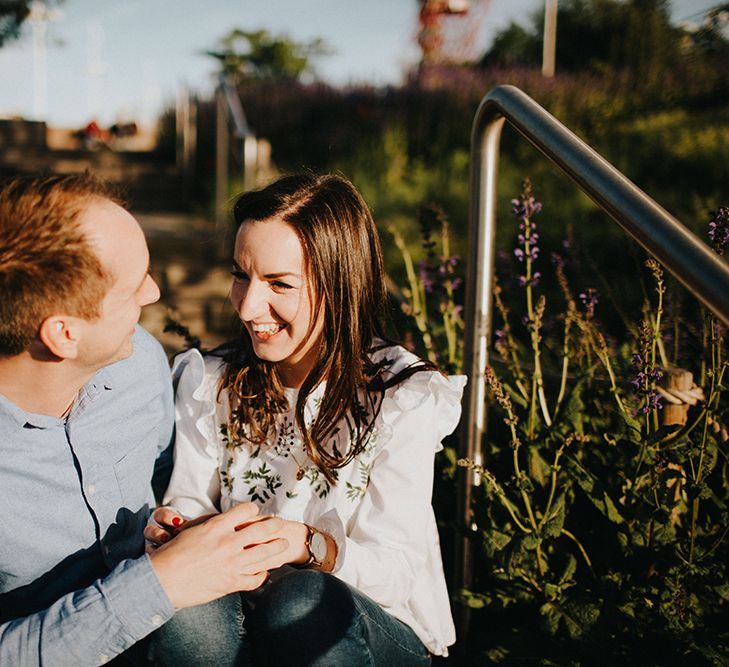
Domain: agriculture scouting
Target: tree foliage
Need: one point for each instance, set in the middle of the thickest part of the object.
(260, 56)
(606, 35)
(12, 15)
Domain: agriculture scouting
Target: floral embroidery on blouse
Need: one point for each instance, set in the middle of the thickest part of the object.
(259, 478)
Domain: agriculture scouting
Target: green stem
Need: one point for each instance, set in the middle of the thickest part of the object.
(417, 297)
(565, 362)
(553, 485)
(567, 533)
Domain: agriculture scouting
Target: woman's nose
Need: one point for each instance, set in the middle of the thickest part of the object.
(251, 301)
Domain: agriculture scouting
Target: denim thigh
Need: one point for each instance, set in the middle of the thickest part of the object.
(312, 618)
(209, 635)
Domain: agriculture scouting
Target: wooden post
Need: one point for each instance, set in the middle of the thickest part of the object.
(550, 39)
(682, 381)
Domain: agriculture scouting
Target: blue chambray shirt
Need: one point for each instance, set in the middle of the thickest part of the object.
(75, 495)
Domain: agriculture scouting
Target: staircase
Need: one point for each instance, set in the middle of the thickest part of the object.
(149, 180)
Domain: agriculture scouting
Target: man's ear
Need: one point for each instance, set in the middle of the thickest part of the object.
(60, 334)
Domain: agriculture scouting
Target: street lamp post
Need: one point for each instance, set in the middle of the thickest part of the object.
(550, 38)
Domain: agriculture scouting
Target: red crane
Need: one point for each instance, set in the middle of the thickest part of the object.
(448, 29)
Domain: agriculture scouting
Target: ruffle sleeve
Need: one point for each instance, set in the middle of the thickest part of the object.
(426, 388)
(195, 484)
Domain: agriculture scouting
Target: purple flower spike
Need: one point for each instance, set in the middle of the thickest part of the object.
(719, 229)
(527, 251)
(437, 274)
(589, 299)
(645, 375)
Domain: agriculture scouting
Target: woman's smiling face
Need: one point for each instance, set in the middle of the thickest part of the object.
(271, 294)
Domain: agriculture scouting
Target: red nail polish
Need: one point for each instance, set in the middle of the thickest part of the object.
(177, 521)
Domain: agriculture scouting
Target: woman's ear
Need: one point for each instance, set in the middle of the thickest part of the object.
(60, 334)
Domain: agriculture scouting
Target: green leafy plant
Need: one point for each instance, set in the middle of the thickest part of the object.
(602, 519)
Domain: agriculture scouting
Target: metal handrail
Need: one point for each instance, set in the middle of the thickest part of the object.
(682, 253)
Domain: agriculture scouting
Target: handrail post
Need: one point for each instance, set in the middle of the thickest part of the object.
(479, 315)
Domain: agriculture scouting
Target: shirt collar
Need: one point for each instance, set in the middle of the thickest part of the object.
(101, 382)
(27, 419)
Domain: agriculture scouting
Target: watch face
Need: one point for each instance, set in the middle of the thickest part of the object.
(318, 546)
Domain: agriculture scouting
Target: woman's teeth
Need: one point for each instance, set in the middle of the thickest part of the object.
(267, 329)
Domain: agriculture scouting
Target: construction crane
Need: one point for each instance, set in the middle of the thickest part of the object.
(448, 30)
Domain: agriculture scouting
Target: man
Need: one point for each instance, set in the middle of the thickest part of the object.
(85, 412)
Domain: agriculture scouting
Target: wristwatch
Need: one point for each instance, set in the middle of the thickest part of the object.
(316, 545)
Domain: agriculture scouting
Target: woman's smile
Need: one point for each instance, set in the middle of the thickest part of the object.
(271, 294)
(266, 331)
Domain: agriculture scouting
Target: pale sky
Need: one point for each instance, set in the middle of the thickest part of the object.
(126, 59)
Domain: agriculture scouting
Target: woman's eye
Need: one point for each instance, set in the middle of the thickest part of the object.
(278, 286)
(239, 276)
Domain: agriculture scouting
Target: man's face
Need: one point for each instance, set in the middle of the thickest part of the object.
(119, 242)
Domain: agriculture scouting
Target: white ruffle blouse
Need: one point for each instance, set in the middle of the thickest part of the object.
(379, 512)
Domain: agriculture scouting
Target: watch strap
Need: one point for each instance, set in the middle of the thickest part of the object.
(312, 560)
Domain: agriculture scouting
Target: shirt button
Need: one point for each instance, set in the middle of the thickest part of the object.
(91, 489)
(156, 620)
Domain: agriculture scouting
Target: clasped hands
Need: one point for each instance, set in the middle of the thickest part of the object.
(206, 558)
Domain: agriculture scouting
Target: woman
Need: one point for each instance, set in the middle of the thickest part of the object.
(331, 430)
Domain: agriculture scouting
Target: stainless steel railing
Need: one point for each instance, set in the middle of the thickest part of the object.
(690, 260)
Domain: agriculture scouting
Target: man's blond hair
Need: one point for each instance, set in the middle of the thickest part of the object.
(47, 265)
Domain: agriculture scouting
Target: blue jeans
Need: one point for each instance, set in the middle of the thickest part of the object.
(304, 617)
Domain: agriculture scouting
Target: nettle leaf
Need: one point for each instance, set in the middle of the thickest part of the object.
(511, 553)
(539, 469)
(569, 570)
(495, 540)
(515, 396)
(497, 653)
(531, 541)
(628, 609)
(662, 433)
(575, 409)
(595, 491)
(704, 491)
(550, 615)
(723, 591)
(711, 456)
(525, 484)
(580, 618)
(555, 521)
(634, 425)
(474, 600)
(552, 591)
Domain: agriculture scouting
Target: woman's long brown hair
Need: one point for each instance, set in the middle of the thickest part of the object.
(343, 261)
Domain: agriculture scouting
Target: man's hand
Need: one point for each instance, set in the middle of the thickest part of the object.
(228, 552)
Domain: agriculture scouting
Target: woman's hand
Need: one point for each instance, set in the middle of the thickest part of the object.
(165, 523)
(296, 534)
(293, 532)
